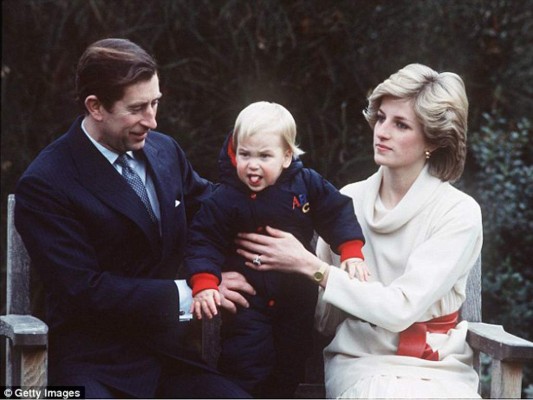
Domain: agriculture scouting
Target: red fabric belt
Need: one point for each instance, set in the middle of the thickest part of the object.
(413, 339)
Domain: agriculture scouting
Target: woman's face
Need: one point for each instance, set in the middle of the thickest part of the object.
(398, 139)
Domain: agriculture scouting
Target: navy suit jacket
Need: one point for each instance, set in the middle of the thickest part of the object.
(112, 305)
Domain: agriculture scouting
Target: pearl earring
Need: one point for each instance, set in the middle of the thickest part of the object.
(428, 154)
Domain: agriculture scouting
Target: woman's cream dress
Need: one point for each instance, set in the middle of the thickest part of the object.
(419, 255)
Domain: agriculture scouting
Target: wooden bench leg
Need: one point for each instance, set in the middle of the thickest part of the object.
(29, 366)
(506, 380)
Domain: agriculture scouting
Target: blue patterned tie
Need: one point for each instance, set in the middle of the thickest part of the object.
(134, 180)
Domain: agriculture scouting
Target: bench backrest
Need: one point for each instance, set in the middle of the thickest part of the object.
(471, 308)
(17, 268)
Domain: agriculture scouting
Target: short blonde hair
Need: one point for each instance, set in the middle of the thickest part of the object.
(266, 118)
(440, 105)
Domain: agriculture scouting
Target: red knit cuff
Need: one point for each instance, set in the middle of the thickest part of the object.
(203, 281)
(351, 249)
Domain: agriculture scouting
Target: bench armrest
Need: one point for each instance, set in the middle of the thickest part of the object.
(508, 353)
(24, 330)
(27, 353)
(494, 341)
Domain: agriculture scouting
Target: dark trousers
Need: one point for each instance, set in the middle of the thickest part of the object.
(193, 384)
(198, 384)
(265, 347)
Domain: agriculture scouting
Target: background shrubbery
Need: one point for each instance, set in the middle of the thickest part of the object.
(319, 59)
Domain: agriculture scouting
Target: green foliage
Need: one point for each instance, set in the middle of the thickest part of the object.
(503, 150)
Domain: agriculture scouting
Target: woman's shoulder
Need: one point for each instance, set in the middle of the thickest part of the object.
(456, 195)
(354, 188)
(458, 203)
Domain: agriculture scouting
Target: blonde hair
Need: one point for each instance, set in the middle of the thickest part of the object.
(440, 105)
(264, 117)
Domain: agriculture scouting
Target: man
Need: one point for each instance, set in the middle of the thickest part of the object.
(103, 213)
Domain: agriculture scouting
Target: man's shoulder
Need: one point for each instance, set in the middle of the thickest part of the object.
(54, 156)
(163, 143)
(161, 139)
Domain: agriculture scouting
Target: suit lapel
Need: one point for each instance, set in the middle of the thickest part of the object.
(162, 179)
(113, 190)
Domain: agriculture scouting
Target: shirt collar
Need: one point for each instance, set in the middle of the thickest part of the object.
(110, 155)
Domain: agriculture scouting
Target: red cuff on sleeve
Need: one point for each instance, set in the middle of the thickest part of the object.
(351, 249)
(203, 281)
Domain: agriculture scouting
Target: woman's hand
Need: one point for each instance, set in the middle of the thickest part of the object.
(280, 251)
(232, 288)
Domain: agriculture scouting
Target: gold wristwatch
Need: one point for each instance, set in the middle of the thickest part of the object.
(319, 275)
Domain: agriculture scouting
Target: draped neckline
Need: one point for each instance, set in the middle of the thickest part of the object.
(383, 220)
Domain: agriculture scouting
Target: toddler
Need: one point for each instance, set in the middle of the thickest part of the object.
(263, 183)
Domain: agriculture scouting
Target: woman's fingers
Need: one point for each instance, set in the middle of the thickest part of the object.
(250, 248)
(276, 232)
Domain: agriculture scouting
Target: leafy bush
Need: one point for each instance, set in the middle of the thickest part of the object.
(503, 150)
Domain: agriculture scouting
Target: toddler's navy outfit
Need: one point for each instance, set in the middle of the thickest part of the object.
(265, 346)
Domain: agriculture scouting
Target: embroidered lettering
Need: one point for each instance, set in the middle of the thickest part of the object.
(300, 201)
(295, 203)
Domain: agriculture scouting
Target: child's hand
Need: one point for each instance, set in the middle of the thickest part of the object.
(356, 267)
(206, 302)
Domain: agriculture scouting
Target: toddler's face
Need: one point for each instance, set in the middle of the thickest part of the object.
(260, 160)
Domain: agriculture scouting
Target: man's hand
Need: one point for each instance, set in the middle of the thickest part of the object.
(231, 287)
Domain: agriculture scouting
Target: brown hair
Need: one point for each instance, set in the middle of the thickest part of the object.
(108, 66)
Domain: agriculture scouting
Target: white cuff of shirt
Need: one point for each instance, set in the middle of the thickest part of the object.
(185, 294)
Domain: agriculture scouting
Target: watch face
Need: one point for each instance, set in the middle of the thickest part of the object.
(318, 276)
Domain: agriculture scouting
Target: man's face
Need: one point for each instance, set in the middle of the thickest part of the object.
(126, 126)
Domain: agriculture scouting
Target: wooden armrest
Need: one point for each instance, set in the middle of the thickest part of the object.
(500, 345)
(508, 353)
(24, 330)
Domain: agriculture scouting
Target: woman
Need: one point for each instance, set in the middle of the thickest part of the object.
(422, 238)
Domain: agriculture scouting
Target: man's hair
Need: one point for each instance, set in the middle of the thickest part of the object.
(440, 105)
(264, 117)
(108, 66)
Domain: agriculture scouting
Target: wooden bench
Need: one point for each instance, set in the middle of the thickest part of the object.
(27, 336)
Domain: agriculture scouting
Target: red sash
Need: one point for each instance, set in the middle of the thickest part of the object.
(413, 339)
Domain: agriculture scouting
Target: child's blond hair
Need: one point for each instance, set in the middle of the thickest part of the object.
(266, 118)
